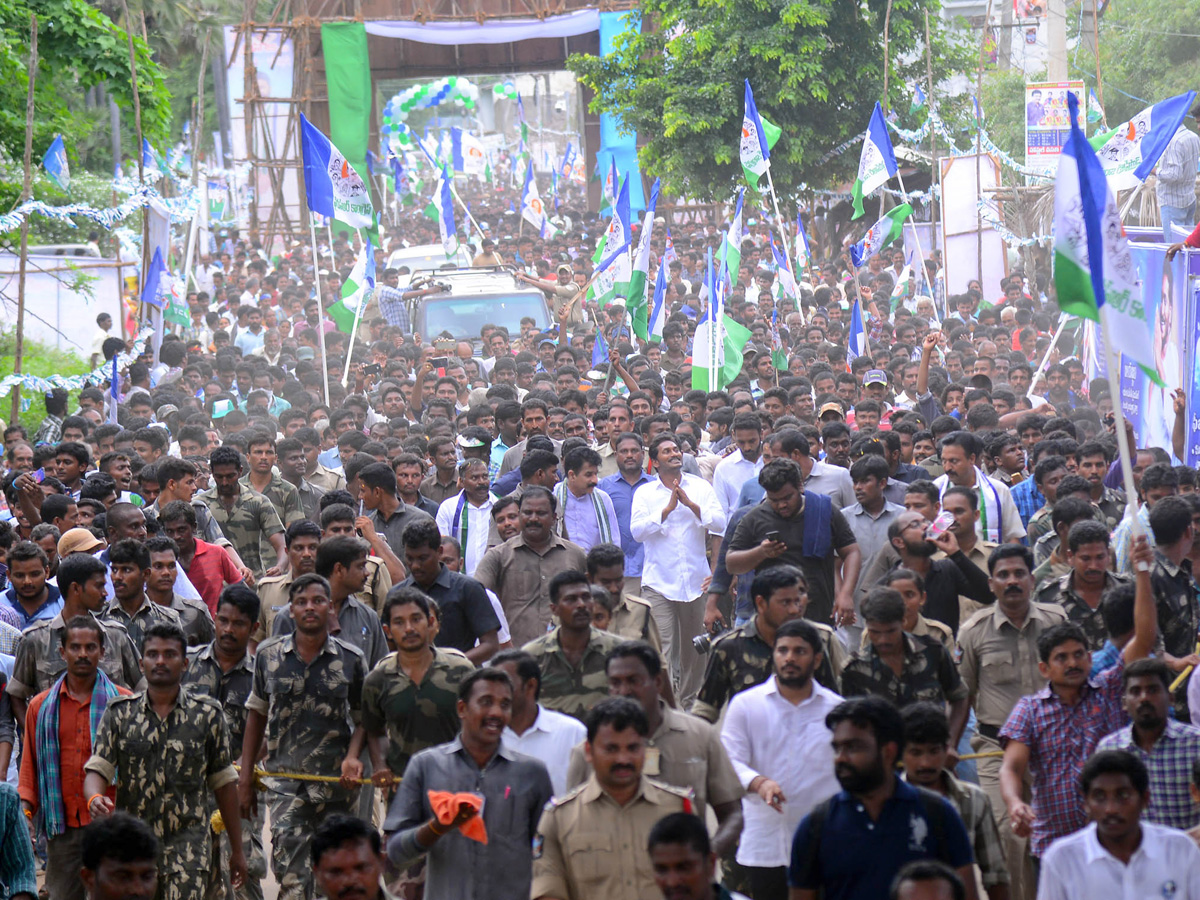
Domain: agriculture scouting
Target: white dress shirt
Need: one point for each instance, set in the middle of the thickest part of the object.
(479, 523)
(1076, 867)
(676, 559)
(729, 476)
(550, 738)
(765, 734)
(999, 520)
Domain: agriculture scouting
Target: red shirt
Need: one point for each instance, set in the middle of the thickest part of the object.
(75, 748)
(210, 571)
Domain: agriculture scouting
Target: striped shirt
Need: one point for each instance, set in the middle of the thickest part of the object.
(391, 304)
(1177, 170)
(1170, 764)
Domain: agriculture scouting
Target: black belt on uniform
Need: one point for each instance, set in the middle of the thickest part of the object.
(988, 731)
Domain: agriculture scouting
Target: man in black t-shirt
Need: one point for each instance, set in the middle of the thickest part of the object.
(805, 530)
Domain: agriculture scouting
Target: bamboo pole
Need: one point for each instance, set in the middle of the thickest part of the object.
(26, 191)
(933, 166)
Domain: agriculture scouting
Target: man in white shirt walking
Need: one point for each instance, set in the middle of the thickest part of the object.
(467, 516)
(534, 730)
(672, 517)
(776, 736)
(1119, 856)
(743, 464)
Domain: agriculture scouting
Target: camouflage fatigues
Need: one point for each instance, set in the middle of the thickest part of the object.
(309, 709)
(929, 674)
(39, 664)
(1112, 507)
(205, 676)
(565, 688)
(251, 519)
(741, 659)
(273, 595)
(1041, 524)
(414, 716)
(1062, 592)
(285, 499)
(195, 619)
(357, 624)
(168, 768)
(1175, 595)
(147, 614)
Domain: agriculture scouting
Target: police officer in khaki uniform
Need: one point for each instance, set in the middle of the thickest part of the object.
(591, 843)
(681, 750)
(998, 662)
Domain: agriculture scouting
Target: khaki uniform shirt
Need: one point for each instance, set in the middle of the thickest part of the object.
(520, 577)
(684, 751)
(633, 620)
(273, 595)
(327, 479)
(572, 690)
(998, 661)
(590, 848)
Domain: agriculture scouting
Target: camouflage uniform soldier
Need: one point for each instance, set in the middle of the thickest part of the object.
(572, 656)
(261, 479)
(38, 661)
(171, 748)
(411, 697)
(129, 565)
(307, 686)
(244, 516)
(194, 617)
(224, 670)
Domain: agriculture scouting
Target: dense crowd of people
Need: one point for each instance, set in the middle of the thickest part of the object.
(506, 617)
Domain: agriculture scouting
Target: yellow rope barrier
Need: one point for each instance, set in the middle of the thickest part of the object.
(1175, 685)
(218, 824)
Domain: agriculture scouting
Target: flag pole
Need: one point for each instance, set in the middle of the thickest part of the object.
(917, 234)
(312, 230)
(1125, 452)
(353, 335)
(1046, 357)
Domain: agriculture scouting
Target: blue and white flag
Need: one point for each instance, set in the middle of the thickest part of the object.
(533, 210)
(370, 163)
(658, 308)
(856, 340)
(443, 200)
(918, 99)
(333, 188)
(669, 254)
(55, 163)
(567, 166)
(599, 350)
(152, 288)
(803, 253)
(114, 392)
(783, 274)
(466, 152)
(1130, 151)
(876, 163)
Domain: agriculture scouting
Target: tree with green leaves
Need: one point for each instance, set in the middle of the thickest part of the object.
(816, 67)
(78, 48)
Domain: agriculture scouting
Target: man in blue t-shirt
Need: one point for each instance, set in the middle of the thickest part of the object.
(852, 846)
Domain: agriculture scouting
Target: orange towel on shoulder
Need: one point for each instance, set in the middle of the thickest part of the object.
(445, 806)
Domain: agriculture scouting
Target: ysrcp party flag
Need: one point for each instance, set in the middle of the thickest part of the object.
(356, 290)
(876, 164)
(55, 163)
(639, 280)
(1093, 268)
(1129, 152)
(532, 209)
(758, 137)
(886, 230)
(466, 152)
(333, 187)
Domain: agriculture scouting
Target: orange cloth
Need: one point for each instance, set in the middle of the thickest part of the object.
(445, 806)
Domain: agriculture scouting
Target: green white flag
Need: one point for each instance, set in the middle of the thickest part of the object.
(639, 280)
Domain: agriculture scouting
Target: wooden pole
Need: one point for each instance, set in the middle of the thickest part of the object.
(1096, 47)
(933, 166)
(887, 29)
(26, 191)
(979, 148)
(137, 126)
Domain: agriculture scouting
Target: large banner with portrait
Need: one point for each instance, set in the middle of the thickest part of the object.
(1165, 293)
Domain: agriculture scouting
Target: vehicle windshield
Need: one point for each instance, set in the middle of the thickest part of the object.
(426, 257)
(464, 316)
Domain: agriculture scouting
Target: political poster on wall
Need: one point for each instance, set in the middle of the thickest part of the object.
(1047, 123)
